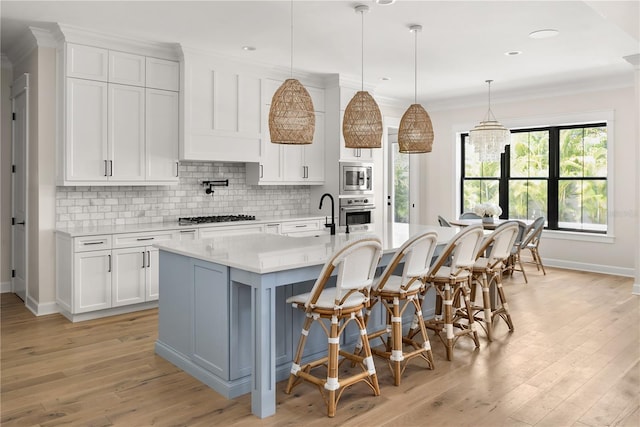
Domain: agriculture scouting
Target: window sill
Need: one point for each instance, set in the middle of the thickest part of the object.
(578, 236)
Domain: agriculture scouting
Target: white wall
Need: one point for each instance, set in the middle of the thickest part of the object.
(438, 171)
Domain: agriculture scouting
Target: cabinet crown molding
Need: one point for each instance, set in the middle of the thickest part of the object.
(34, 37)
(73, 34)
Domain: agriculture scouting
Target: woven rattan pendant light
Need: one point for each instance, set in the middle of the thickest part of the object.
(362, 123)
(292, 119)
(489, 137)
(415, 134)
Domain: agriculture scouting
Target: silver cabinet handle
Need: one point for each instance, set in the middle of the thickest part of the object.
(177, 168)
(110, 167)
(144, 238)
(106, 171)
(261, 171)
(148, 259)
(187, 231)
(301, 226)
(143, 259)
(92, 243)
(109, 270)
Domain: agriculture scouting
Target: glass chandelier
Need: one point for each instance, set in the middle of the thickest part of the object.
(489, 137)
(362, 123)
(292, 119)
(415, 134)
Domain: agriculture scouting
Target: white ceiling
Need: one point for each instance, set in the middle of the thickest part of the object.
(462, 44)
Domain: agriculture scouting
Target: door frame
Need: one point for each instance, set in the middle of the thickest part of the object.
(414, 176)
(19, 86)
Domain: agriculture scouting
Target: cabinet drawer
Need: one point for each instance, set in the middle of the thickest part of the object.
(127, 240)
(91, 243)
(299, 226)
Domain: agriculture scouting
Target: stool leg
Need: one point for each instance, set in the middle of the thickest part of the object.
(397, 355)
(332, 385)
(486, 302)
(368, 360)
(447, 301)
(426, 344)
(295, 365)
(503, 311)
(469, 307)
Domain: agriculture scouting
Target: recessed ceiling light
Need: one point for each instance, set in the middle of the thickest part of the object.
(248, 48)
(513, 53)
(385, 79)
(385, 2)
(543, 34)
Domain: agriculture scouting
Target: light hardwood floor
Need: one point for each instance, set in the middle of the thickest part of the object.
(573, 360)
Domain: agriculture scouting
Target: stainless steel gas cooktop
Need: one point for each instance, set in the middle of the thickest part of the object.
(191, 220)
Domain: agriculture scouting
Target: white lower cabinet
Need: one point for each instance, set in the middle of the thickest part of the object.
(135, 275)
(92, 271)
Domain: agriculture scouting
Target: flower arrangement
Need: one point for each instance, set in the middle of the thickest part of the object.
(487, 209)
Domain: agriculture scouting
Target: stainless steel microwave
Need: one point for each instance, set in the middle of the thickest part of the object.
(356, 178)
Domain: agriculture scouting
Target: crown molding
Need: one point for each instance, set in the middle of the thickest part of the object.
(74, 34)
(612, 81)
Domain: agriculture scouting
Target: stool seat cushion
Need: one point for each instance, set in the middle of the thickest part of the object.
(326, 299)
(395, 282)
(445, 272)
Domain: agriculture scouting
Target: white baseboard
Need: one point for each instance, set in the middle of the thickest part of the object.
(592, 268)
(41, 309)
(636, 289)
(5, 287)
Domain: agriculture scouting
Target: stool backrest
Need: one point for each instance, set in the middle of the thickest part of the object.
(416, 253)
(499, 243)
(356, 264)
(443, 222)
(464, 247)
(469, 215)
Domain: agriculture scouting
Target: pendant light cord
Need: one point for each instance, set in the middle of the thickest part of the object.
(362, 50)
(489, 112)
(415, 73)
(291, 59)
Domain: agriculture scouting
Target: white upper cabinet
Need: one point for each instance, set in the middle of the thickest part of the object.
(161, 135)
(87, 62)
(221, 111)
(115, 131)
(86, 154)
(126, 133)
(126, 68)
(162, 74)
(289, 164)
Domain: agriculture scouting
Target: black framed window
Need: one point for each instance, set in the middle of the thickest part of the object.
(558, 172)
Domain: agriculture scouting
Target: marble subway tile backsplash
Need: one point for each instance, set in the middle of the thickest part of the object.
(121, 205)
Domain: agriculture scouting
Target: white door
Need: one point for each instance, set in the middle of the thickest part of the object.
(162, 135)
(129, 271)
(19, 95)
(126, 133)
(402, 183)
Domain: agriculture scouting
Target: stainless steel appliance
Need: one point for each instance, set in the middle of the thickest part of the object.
(356, 212)
(356, 178)
(214, 218)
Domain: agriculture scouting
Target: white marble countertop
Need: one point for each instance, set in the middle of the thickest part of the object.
(173, 225)
(265, 253)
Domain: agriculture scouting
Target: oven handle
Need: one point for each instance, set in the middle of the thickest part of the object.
(358, 208)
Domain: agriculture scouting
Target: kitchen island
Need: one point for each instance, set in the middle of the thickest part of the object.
(222, 311)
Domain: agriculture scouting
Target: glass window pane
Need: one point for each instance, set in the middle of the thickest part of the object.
(529, 154)
(401, 186)
(474, 168)
(583, 152)
(480, 191)
(582, 204)
(527, 199)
